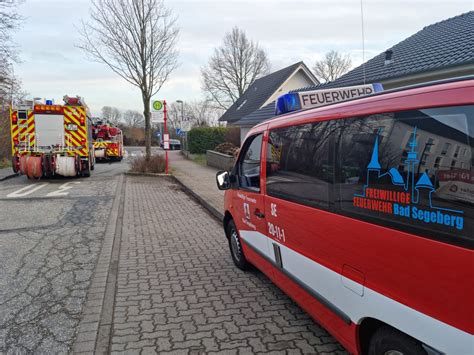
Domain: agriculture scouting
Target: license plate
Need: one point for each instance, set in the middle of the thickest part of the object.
(71, 127)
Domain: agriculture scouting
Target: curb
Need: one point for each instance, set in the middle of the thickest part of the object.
(131, 173)
(9, 177)
(93, 331)
(211, 209)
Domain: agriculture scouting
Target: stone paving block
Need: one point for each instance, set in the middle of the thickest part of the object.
(178, 291)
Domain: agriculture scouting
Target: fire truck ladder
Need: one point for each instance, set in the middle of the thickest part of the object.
(23, 136)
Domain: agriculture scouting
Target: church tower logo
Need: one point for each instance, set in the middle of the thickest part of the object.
(411, 196)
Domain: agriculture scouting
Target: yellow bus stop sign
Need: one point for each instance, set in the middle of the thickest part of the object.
(157, 105)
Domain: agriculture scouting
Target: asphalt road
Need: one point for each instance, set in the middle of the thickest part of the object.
(51, 233)
(168, 293)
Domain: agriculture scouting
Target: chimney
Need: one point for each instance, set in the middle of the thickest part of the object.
(388, 56)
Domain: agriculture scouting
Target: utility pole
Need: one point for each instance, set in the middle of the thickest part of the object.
(181, 122)
(166, 136)
(182, 113)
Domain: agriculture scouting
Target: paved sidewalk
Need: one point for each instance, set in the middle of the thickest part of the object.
(200, 180)
(178, 291)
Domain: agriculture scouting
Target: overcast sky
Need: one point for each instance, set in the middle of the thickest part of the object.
(289, 31)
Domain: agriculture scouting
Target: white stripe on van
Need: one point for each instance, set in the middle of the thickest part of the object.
(329, 284)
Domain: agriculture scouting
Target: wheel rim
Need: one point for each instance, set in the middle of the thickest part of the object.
(393, 352)
(235, 245)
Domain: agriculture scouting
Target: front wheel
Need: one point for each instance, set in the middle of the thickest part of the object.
(389, 341)
(235, 246)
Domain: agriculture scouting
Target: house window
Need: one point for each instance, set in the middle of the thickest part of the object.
(456, 152)
(453, 164)
(429, 144)
(437, 162)
(445, 148)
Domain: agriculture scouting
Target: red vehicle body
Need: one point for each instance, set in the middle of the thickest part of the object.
(345, 250)
(49, 140)
(108, 141)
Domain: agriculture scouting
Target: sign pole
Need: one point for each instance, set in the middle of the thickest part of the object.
(166, 134)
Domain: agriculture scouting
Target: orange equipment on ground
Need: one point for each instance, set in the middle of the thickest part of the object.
(49, 139)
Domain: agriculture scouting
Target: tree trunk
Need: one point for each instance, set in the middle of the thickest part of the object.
(147, 114)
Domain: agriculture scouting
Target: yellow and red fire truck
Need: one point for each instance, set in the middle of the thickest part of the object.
(108, 141)
(49, 139)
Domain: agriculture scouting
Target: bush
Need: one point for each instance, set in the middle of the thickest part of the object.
(156, 164)
(201, 139)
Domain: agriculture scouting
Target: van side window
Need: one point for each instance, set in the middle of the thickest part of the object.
(395, 169)
(249, 163)
(299, 164)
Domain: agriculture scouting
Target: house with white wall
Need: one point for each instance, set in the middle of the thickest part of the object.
(266, 90)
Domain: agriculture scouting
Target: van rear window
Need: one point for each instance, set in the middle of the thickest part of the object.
(412, 168)
(409, 170)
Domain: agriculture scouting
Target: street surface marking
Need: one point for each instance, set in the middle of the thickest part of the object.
(24, 191)
(61, 191)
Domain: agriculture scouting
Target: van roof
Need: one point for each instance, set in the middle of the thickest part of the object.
(459, 82)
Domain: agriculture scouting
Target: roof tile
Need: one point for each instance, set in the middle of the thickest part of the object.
(257, 93)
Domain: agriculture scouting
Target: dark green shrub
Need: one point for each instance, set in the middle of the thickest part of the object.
(201, 139)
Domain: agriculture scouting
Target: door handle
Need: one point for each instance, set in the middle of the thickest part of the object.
(258, 213)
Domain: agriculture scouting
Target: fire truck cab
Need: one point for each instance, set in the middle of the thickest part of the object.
(49, 139)
(108, 141)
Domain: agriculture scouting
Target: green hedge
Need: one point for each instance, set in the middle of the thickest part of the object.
(201, 139)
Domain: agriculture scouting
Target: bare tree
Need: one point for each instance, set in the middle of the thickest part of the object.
(112, 114)
(332, 66)
(137, 40)
(194, 114)
(232, 68)
(133, 118)
(9, 21)
(10, 86)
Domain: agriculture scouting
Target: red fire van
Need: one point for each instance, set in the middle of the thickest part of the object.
(362, 212)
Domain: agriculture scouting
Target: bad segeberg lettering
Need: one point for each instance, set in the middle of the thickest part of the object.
(405, 202)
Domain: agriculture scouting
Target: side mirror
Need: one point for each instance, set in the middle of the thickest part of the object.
(223, 180)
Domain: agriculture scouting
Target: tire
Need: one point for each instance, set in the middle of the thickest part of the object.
(86, 172)
(235, 247)
(16, 164)
(389, 341)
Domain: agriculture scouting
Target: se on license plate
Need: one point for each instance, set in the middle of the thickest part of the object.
(71, 127)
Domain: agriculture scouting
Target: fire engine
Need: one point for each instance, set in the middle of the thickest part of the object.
(49, 139)
(108, 141)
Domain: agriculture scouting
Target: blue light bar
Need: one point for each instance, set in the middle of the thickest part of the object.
(310, 99)
(287, 103)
